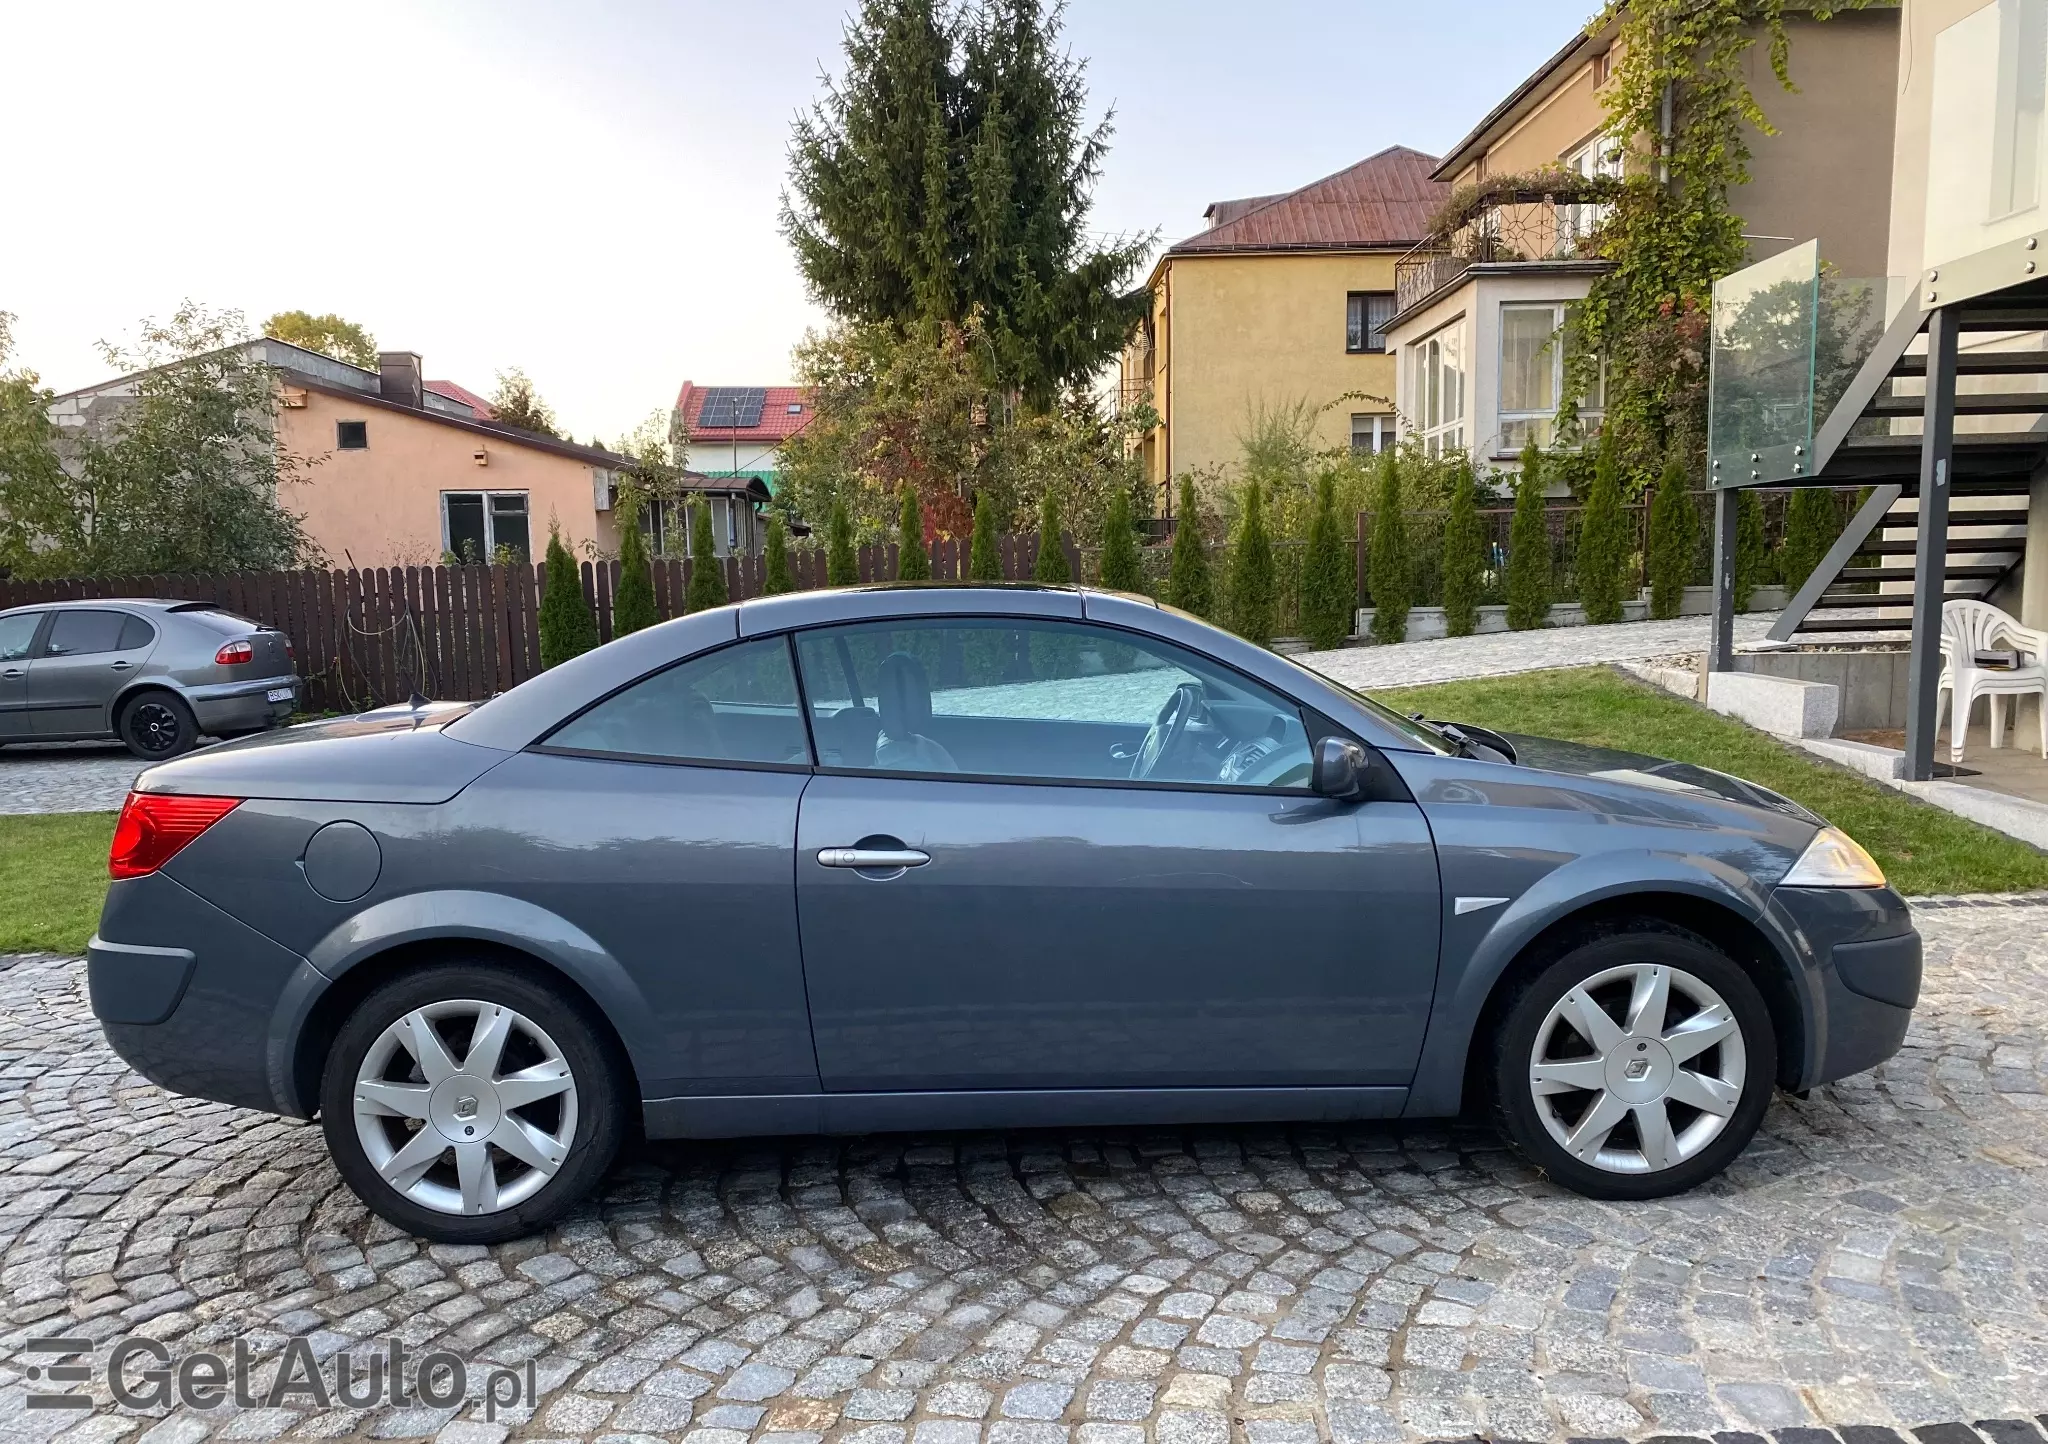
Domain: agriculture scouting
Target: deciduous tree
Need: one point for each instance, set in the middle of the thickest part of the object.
(517, 403)
(328, 334)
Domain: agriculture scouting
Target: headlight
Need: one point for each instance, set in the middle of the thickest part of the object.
(1834, 859)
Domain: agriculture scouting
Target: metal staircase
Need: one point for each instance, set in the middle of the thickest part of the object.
(1867, 581)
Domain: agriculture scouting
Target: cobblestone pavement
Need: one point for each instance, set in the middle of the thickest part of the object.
(76, 777)
(1455, 659)
(1878, 1258)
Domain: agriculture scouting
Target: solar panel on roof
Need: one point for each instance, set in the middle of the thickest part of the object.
(732, 406)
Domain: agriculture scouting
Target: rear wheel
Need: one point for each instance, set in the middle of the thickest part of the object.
(1635, 1066)
(471, 1102)
(157, 725)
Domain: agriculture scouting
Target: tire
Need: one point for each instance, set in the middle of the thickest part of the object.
(1594, 1126)
(379, 1138)
(157, 725)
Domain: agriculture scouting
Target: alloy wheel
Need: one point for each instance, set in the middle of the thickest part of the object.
(155, 726)
(465, 1107)
(1637, 1068)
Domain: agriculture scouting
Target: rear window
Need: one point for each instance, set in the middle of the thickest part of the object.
(226, 623)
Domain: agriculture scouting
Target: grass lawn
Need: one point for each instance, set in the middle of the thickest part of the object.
(1921, 848)
(53, 875)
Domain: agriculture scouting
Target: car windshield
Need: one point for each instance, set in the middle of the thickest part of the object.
(1418, 732)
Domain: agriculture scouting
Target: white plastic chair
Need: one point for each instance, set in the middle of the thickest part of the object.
(1968, 628)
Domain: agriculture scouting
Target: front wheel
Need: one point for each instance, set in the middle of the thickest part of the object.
(1635, 1066)
(471, 1102)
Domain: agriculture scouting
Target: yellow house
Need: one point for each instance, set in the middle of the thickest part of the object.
(1283, 300)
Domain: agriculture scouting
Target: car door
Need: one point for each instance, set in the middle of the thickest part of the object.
(17, 640)
(86, 655)
(990, 900)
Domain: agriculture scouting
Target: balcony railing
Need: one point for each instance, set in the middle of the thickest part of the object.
(1544, 218)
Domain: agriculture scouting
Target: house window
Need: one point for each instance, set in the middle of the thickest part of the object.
(351, 435)
(1436, 389)
(656, 521)
(1603, 66)
(1534, 357)
(1366, 314)
(1371, 432)
(485, 526)
(1600, 156)
(2022, 87)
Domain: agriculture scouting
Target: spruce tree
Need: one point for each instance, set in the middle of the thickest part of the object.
(950, 171)
(776, 575)
(1811, 526)
(1603, 541)
(913, 562)
(707, 574)
(1187, 579)
(1672, 541)
(1329, 573)
(1390, 573)
(1753, 561)
(1464, 558)
(1120, 569)
(1252, 580)
(1528, 549)
(842, 568)
(1051, 565)
(567, 626)
(633, 601)
(984, 557)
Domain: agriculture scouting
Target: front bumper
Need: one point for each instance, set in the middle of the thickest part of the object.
(1861, 978)
(242, 706)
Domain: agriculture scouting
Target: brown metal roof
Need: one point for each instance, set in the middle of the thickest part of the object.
(1384, 200)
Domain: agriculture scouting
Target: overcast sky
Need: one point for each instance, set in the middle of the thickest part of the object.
(589, 190)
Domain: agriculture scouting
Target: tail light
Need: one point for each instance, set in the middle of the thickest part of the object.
(289, 654)
(233, 652)
(154, 826)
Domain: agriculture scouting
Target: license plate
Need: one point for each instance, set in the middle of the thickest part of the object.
(278, 694)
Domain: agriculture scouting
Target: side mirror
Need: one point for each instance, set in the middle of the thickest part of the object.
(1340, 769)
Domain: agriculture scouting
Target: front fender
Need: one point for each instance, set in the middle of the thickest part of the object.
(1480, 946)
(451, 915)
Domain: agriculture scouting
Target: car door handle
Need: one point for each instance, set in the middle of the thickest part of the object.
(121, 666)
(15, 672)
(872, 857)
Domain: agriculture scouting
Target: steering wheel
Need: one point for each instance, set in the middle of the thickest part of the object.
(1183, 707)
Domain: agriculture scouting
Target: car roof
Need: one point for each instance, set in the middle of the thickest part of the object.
(158, 604)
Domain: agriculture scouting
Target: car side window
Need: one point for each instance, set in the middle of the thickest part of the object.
(738, 704)
(1042, 700)
(136, 633)
(80, 634)
(17, 634)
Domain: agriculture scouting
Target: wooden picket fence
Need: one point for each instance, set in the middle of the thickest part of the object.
(373, 636)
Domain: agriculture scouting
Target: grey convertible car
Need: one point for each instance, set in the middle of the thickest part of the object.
(970, 857)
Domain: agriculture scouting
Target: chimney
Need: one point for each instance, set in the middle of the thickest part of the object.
(398, 378)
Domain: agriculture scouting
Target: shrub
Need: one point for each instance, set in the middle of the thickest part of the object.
(1811, 526)
(1753, 561)
(1528, 549)
(1120, 570)
(1464, 557)
(1672, 541)
(1188, 585)
(776, 575)
(707, 576)
(1252, 583)
(633, 602)
(1390, 574)
(842, 568)
(1051, 565)
(1603, 540)
(567, 628)
(1329, 573)
(913, 563)
(984, 558)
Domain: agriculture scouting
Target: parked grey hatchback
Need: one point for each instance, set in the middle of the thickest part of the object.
(970, 857)
(154, 675)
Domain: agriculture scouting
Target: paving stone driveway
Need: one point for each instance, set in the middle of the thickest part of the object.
(1878, 1258)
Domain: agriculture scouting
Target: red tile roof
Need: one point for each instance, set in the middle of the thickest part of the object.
(468, 398)
(778, 421)
(1384, 200)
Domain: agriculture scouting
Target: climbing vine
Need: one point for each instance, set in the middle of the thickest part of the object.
(1669, 230)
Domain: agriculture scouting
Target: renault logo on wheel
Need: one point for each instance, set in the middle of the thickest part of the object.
(466, 1107)
(1637, 1069)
